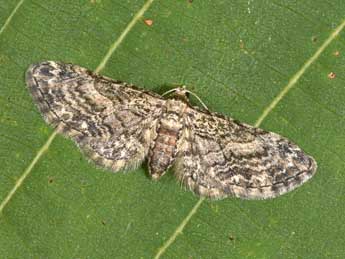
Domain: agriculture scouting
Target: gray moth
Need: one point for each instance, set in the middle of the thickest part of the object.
(118, 126)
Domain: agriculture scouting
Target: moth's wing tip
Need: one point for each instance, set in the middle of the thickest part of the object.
(32, 84)
(33, 73)
(29, 75)
(314, 165)
(311, 169)
(38, 70)
(300, 179)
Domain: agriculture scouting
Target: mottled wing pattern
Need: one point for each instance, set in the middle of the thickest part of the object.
(111, 121)
(220, 157)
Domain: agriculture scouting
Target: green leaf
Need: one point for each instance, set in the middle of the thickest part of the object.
(256, 61)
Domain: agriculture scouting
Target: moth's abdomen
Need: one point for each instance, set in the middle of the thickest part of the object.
(163, 152)
(164, 148)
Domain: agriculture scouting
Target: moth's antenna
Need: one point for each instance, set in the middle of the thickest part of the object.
(170, 91)
(186, 91)
(198, 98)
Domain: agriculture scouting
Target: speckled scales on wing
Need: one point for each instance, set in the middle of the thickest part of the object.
(113, 122)
(221, 157)
(117, 125)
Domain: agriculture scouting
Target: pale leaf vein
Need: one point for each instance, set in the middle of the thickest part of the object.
(102, 64)
(292, 82)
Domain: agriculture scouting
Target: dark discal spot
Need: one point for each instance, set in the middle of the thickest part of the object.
(146, 110)
(103, 222)
(45, 70)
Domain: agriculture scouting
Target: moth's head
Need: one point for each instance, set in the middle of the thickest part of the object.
(180, 93)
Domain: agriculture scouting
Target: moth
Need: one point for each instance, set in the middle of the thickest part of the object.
(118, 126)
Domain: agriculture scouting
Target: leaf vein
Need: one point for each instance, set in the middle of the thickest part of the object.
(9, 19)
(179, 229)
(27, 171)
(294, 79)
(123, 35)
(102, 64)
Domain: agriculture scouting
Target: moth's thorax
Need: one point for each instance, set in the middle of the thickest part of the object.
(164, 147)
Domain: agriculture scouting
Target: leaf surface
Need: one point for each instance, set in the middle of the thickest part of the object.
(242, 58)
